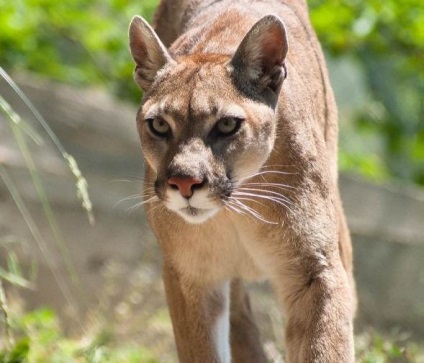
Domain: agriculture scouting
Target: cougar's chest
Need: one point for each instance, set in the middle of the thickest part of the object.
(217, 251)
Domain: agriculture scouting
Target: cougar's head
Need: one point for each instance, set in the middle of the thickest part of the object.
(207, 121)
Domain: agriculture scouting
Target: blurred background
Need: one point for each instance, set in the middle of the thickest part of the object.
(79, 266)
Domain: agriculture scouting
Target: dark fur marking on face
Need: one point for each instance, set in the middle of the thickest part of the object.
(247, 89)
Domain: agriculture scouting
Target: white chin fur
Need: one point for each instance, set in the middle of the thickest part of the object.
(195, 215)
(198, 210)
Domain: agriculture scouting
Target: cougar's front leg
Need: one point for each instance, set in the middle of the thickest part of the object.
(246, 346)
(200, 318)
(318, 305)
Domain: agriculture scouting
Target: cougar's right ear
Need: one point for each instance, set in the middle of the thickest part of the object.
(148, 52)
(259, 60)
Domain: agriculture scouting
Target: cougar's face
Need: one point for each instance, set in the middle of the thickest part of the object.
(201, 137)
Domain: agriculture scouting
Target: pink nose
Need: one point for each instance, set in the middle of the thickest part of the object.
(185, 184)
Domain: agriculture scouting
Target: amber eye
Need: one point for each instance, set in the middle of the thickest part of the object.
(158, 126)
(228, 126)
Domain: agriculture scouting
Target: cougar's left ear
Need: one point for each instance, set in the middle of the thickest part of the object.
(148, 52)
(259, 59)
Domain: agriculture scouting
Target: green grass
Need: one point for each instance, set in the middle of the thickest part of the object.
(40, 339)
(372, 347)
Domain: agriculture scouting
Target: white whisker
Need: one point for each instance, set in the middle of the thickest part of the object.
(138, 205)
(275, 185)
(251, 211)
(277, 200)
(277, 166)
(230, 206)
(271, 194)
(265, 191)
(268, 172)
(248, 199)
(131, 197)
(156, 209)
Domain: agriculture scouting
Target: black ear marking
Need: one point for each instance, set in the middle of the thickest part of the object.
(258, 64)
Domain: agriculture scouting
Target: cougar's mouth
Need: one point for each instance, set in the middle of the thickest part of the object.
(196, 215)
(192, 211)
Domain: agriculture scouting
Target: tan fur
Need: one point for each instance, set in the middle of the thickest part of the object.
(265, 201)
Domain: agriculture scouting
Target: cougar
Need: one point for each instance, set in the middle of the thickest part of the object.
(238, 127)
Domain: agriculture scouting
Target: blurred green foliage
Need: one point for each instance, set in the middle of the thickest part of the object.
(386, 37)
(79, 42)
(43, 341)
(85, 43)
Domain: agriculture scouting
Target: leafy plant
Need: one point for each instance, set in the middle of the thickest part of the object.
(374, 348)
(44, 342)
(387, 40)
(18, 354)
(77, 42)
